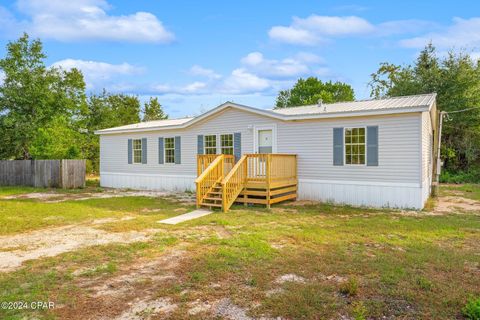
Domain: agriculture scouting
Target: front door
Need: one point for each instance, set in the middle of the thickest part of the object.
(265, 141)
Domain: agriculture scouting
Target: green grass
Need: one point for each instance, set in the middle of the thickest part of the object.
(361, 263)
(471, 191)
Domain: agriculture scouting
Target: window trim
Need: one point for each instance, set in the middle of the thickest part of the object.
(133, 150)
(205, 143)
(345, 147)
(233, 142)
(218, 142)
(165, 151)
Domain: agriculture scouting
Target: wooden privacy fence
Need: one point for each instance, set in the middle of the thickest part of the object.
(43, 173)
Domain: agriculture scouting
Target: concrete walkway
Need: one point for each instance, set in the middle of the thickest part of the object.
(187, 216)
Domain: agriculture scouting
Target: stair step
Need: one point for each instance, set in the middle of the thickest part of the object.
(211, 205)
(214, 192)
(213, 199)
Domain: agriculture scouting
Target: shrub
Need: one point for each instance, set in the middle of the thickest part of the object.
(359, 311)
(424, 283)
(471, 176)
(350, 287)
(472, 309)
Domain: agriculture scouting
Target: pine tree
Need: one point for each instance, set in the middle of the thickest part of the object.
(153, 110)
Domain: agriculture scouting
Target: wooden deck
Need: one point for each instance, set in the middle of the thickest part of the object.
(256, 178)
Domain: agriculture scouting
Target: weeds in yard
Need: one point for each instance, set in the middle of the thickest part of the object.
(359, 311)
(350, 287)
(472, 309)
(384, 263)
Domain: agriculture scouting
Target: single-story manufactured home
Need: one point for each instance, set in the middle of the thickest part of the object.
(377, 153)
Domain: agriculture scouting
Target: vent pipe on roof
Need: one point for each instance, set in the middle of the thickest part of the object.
(320, 104)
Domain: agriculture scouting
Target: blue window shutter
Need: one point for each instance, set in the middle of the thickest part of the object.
(130, 151)
(144, 150)
(160, 151)
(237, 145)
(372, 146)
(199, 144)
(178, 150)
(338, 146)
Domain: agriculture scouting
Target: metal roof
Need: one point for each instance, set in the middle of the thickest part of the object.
(414, 103)
(147, 125)
(361, 105)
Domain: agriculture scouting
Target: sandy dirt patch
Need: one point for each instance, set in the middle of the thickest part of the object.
(133, 293)
(142, 310)
(16, 249)
(290, 278)
(452, 204)
(55, 197)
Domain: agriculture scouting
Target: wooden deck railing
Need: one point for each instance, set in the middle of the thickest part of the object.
(204, 160)
(234, 183)
(276, 174)
(213, 174)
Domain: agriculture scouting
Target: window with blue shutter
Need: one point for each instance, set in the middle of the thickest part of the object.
(372, 146)
(160, 151)
(200, 144)
(178, 150)
(237, 145)
(338, 146)
(130, 151)
(144, 150)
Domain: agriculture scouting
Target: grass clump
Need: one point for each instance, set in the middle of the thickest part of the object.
(359, 311)
(472, 309)
(350, 287)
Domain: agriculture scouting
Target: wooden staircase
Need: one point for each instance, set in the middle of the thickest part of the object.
(255, 178)
(213, 198)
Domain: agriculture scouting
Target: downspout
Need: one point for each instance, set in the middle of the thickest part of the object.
(436, 183)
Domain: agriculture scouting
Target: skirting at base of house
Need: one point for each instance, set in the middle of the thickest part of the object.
(361, 193)
(356, 193)
(143, 181)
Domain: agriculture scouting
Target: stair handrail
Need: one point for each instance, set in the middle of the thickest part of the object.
(233, 183)
(212, 174)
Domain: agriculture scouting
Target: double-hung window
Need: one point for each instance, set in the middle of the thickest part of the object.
(226, 143)
(137, 150)
(169, 150)
(211, 144)
(355, 145)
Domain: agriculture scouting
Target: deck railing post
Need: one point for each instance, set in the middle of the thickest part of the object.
(268, 169)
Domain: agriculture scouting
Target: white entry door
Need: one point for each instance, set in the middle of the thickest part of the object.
(265, 141)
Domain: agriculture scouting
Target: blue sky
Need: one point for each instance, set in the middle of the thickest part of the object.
(195, 55)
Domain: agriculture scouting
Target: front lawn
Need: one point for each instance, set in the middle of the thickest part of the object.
(314, 261)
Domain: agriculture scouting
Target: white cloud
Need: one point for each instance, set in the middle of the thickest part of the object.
(241, 81)
(293, 35)
(98, 73)
(287, 68)
(316, 29)
(197, 70)
(255, 75)
(462, 33)
(194, 87)
(88, 20)
(333, 25)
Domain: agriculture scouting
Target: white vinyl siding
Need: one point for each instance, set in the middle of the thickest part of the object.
(399, 137)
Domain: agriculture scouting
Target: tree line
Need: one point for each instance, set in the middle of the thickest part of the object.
(45, 112)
